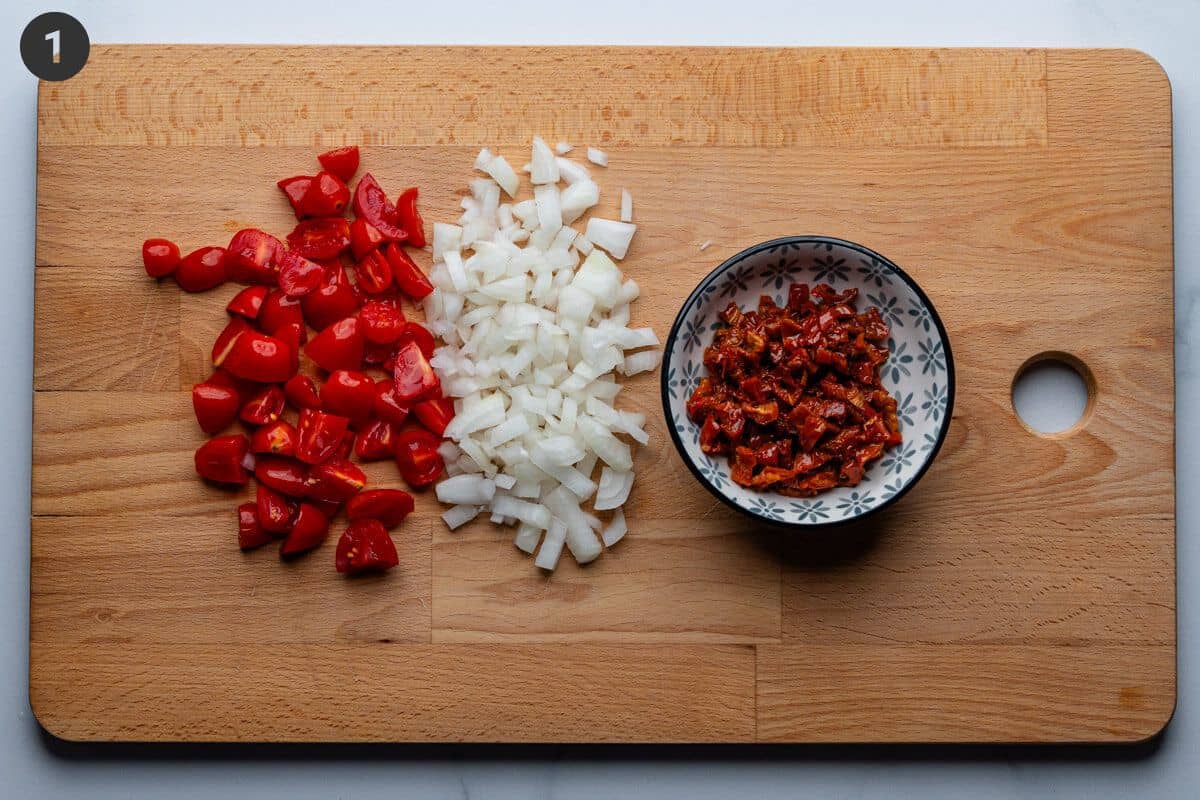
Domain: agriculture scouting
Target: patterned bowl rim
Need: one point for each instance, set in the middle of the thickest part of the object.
(692, 300)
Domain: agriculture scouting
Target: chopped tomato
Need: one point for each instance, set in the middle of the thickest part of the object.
(417, 456)
(278, 309)
(376, 442)
(371, 203)
(389, 506)
(297, 275)
(374, 273)
(282, 474)
(222, 459)
(341, 161)
(160, 257)
(364, 238)
(301, 392)
(253, 257)
(413, 379)
(417, 333)
(386, 406)
(226, 338)
(410, 218)
(382, 321)
(264, 407)
(248, 302)
(365, 546)
(349, 394)
(258, 357)
(435, 414)
(318, 435)
(408, 276)
(326, 196)
(321, 238)
(273, 510)
(294, 189)
(309, 529)
(336, 480)
(250, 533)
(340, 346)
(335, 299)
(216, 405)
(201, 270)
(278, 438)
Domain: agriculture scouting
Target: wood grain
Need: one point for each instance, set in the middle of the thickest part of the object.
(964, 694)
(393, 692)
(1024, 591)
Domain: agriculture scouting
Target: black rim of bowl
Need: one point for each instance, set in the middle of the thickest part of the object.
(742, 256)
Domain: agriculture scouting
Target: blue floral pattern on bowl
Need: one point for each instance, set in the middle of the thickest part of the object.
(919, 372)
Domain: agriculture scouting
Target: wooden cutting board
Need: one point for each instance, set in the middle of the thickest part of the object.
(1024, 591)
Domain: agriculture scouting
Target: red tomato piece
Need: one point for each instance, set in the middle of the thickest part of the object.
(250, 533)
(264, 407)
(216, 405)
(273, 510)
(408, 276)
(365, 546)
(201, 270)
(374, 273)
(292, 335)
(278, 438)
(335, 299)
(386, 406)
(341, 161)
(336, 480)
(222, 459)
(349, 394)
(282, 474)
(327, 196)
(347, 446)
(409, 218)
(435, 414)
(297, 275)
(308, 531)
(389, 506)
(371, 203)
(377, 355)
(364, 237)
(248, 302)
(413, 379)
(294, 189)
(278, 309)
(329, 508)
(376, 442)
(320, 238)
(318, 435)
(382, 321)
(160, 257)
(340, 346)
(253, 257)
(258, 357)
(417, 456)
(226, 339)
(413, 332)
(301, 392)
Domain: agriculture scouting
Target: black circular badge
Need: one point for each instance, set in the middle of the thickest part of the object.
(54, 46)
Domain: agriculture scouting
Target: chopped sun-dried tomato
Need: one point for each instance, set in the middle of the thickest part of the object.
(793, 395)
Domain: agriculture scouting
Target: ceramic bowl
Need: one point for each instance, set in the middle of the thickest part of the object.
(919, 372)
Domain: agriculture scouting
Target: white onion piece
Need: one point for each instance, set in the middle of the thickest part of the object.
(552, 545)
(466, 490)
(616, 529)
(543, 166)
(527, 538)
(457, 516)
(597, 156)
(532, 339)
(578, 198)
(483, 159)
(562, 148)
(572, 172)
(626, 206)
(644, 361)
(502, 172)
(613, 235)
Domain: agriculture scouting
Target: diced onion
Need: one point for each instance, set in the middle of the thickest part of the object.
(562, 148)
(533, 338)
(597, 156)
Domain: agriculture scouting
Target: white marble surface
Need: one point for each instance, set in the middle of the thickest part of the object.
(30, 767)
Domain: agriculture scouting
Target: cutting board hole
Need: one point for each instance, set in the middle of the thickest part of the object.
(1053, 394)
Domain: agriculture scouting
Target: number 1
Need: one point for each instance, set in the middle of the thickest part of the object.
(55, 55)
